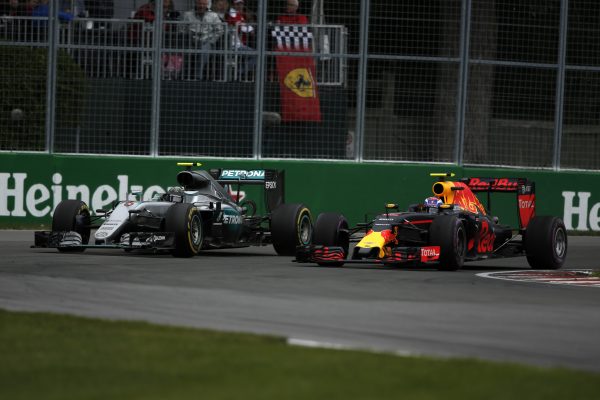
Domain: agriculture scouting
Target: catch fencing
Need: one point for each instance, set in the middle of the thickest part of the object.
(464, 82)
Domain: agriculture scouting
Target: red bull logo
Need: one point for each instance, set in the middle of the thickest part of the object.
(486, 238)
(494, 184)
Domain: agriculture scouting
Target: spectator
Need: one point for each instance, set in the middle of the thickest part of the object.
(43, 10)
(17, 8)
(22, 28)
(221, 7)
(146, 12)
(237, 17)
(140, 35)
(291, 15)
(40, 27)
(241, 37)
(206, 29)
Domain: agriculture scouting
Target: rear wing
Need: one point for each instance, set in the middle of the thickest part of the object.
(272, 181)
(524, 189)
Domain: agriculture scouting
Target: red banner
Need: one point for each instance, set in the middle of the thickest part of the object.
(297, 77)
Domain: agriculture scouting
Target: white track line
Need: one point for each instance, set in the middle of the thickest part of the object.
(338, 346)
(583, 277)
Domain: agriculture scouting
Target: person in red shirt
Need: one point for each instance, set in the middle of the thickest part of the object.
(139, 35)
(146, 13)
(237, 18)
(291, 16)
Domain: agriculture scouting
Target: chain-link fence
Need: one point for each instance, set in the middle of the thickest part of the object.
(467, 82)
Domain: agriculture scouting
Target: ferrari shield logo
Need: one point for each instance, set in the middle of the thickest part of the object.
(300, 81)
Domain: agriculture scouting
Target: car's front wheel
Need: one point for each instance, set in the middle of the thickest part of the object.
(72, 216)
(448, 232)
(331, 229)
(185, 222)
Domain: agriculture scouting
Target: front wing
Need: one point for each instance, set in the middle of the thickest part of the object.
(333, 255)
(132, 240)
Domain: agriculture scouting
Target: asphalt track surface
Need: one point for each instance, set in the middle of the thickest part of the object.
(406, 311)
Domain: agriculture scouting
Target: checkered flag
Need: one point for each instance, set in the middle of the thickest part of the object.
(293, 38)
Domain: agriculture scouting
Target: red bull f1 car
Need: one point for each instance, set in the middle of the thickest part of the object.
(199, 214)
(448, 229)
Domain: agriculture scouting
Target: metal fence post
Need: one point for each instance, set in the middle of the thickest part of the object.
(560, 83)
(259, 80)
(361, 85)
(463, 80)
(156, 77)
(52, 27)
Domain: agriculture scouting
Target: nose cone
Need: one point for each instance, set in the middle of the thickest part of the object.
(372, 244)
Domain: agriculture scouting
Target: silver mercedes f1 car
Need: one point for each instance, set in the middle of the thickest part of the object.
(199, 214)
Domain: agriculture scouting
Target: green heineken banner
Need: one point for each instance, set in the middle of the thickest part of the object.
(31, 185)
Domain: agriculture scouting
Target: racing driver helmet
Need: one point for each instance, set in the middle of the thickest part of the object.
(432, 204)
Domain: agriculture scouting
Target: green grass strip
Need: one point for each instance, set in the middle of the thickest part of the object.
(46, 356)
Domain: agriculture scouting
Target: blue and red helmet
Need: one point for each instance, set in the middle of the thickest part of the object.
(433, 202)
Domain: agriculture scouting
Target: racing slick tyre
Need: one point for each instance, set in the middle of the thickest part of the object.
(546, 243)
(72, 215)
(184, 220)
(291, 226)
(331, 229)
(448, 232)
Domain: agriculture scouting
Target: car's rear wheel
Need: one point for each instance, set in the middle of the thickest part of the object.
(249, 208)
(331, 229)
(291, 226)
(72, 216)
(546, 243)
(185, 221)
(448, 232)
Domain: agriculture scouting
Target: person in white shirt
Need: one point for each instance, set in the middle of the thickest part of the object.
(206, 29)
